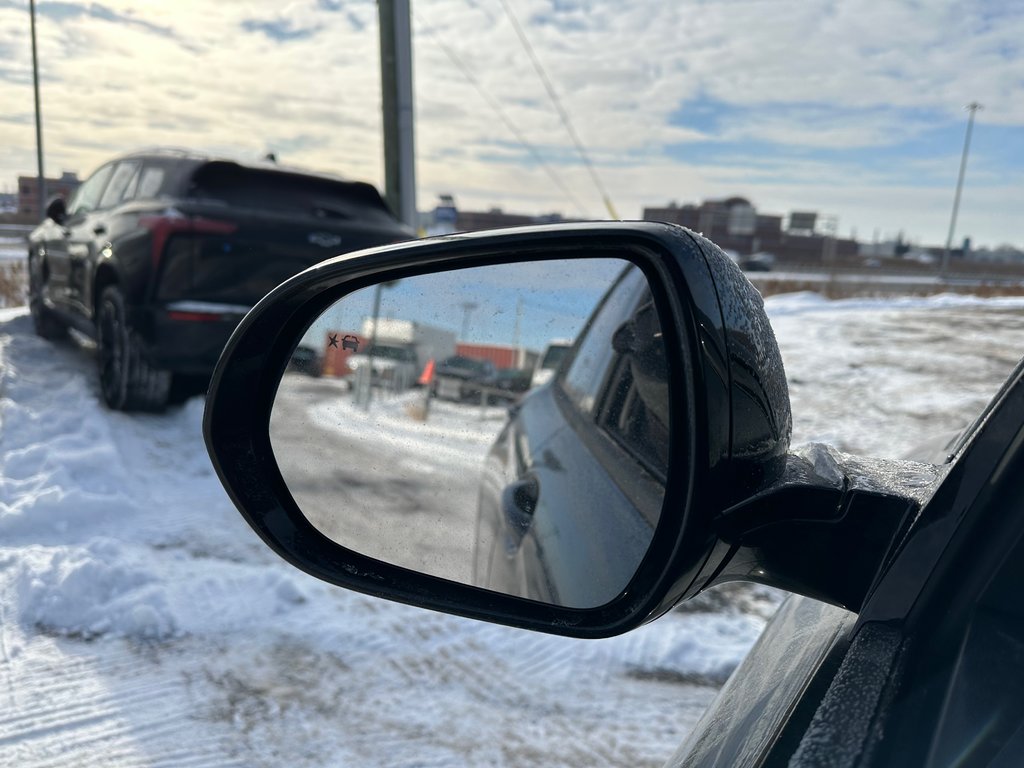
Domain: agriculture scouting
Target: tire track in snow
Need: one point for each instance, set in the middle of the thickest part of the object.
(103, 703)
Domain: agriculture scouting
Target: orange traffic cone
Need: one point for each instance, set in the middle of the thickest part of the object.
(428, 373)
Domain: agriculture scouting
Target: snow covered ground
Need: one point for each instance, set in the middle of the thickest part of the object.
(143, 623)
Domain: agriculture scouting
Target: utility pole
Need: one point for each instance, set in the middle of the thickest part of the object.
(39, 114)
(971, 108)
(397, 104)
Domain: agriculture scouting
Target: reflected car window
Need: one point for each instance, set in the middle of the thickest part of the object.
(586, 374)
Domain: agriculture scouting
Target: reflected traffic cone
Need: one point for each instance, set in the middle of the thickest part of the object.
(428, 373)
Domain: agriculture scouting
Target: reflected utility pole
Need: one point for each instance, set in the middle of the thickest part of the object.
(467, 310)
(39, 113)
(378, 290)
(971, 108)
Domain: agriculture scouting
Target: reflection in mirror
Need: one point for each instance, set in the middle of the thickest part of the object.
(422, 422)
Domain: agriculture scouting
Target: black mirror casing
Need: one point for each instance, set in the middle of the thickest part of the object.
(56, 210)
(730, 413)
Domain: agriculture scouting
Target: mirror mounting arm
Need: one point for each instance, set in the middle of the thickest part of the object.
(825, 528)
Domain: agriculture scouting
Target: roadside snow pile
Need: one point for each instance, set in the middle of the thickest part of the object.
(107, 587)
(804, 302)
(92, 590)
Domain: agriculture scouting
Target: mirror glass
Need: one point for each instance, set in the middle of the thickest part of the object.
(503, 426)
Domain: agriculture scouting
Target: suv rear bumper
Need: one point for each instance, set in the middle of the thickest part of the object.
(188, 336)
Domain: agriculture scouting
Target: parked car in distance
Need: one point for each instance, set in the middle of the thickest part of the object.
(757, 262)
(512, 382)
(159, 255)
(459, 377)
(306, 360)
(399, 350)
(549, 361)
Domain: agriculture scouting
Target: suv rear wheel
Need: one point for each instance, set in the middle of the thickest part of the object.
(127, 381)
(44, 322)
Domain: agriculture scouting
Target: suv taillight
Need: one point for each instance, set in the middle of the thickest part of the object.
(172, 222)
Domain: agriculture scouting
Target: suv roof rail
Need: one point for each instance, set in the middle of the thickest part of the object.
(168, 152)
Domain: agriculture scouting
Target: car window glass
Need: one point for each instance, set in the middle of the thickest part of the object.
(150, 182)
(133, 184)
(586, 374)
(118, 184)
(88, 196)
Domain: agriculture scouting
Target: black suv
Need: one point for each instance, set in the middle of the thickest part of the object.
(158, 255)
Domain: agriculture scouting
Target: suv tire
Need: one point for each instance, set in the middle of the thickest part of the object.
(44, 322)
(127, 380)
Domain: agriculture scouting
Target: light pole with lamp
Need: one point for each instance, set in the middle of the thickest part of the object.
(39, 114)
(971, 108)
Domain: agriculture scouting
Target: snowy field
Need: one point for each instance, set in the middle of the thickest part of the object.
(143, 623)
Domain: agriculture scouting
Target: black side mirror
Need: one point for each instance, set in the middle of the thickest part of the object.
(56, 210)
(654, 465)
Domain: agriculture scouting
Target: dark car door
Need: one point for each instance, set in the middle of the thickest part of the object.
(90, 234)
(71, 242)
(584, 434)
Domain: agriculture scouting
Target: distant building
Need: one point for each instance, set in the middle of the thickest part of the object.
(735, 225)
(447, 218)
(28, 192)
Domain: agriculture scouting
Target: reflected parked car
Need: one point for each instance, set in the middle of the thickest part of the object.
(306, 360)
(159, 255)
(460, 377)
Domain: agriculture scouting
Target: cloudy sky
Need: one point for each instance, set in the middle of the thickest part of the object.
(850, 108)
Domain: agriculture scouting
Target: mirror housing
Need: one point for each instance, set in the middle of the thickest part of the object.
(727, 375)
(56, 210)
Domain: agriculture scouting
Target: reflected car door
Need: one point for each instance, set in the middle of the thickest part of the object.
(562, 464)
(67, 249)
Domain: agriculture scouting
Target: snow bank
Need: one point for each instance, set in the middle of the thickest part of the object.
(803, 302)
(108, 587)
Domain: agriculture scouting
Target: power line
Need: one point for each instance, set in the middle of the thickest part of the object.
(562, 113)
(493, 104)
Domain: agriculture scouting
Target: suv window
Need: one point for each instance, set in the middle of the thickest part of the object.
(87, 197)
(150, 182)
(585, 378)
(115, 192)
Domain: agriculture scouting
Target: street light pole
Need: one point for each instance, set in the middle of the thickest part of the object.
(971, 108)
(41, 183)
